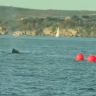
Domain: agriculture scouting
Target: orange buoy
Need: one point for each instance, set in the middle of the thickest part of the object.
(91, 58)
(79, 57)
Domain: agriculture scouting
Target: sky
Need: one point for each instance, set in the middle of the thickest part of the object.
(52, 4)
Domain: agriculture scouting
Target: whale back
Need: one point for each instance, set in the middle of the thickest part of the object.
(15, 51)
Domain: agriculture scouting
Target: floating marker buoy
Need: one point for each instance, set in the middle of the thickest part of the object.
(79, 57)
(91, 58)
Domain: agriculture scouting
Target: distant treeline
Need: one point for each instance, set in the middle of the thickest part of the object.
(11, 13)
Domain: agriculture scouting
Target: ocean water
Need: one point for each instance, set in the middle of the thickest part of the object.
(46, 66)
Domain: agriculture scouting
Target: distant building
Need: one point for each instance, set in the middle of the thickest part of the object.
(92, 16)
(67, 18)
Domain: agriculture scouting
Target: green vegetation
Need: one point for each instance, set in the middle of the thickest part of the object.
(45, 22)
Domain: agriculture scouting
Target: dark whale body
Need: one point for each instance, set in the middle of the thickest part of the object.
(15, 51)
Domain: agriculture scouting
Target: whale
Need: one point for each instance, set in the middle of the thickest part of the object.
(15, 51)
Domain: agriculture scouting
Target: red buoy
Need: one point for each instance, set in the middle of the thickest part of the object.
(91, 58)
(79, 57)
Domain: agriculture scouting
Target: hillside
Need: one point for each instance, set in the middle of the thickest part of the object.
(45, 22)
(11, 13)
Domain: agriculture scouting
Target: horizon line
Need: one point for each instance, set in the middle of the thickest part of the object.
(48, 9)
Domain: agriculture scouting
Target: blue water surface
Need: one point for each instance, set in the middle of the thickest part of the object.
(46, 66)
